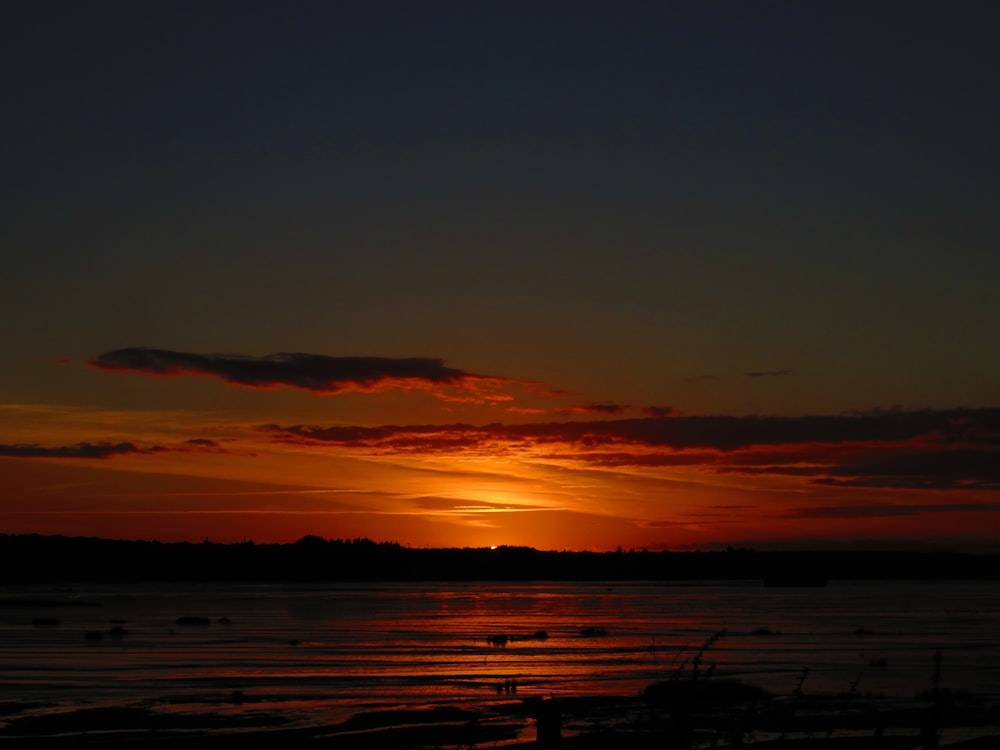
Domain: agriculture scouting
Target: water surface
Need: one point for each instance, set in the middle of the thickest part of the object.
(318, 654)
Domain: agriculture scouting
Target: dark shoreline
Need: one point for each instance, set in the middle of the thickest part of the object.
(690, 717)
(32, 558)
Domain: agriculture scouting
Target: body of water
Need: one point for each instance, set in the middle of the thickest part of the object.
(321, 653)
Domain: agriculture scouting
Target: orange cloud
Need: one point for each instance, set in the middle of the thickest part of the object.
(954, 449)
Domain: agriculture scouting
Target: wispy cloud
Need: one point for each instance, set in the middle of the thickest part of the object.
(880, 511)
(79, 450)
(317, 373)
(202, 443)
(605, 408)
(108, 449)
(913, 465)
(658, 412)
(455, 506)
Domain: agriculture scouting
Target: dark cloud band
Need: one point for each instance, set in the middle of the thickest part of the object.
(954, 449)
(80, 450)
(977, 426)
(312, 372)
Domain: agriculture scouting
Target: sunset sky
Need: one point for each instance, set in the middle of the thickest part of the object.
(573, 275)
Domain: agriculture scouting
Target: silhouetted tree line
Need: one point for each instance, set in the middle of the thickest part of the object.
(32, 558)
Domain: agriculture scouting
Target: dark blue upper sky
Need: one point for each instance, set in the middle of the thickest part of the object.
(632, 195)
(567, 274)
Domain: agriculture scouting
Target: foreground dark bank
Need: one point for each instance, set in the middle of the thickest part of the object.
(32, 558)
(669, 715)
